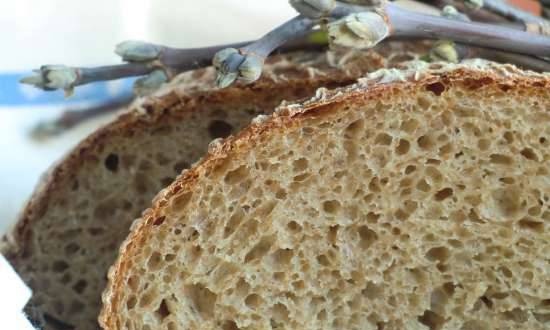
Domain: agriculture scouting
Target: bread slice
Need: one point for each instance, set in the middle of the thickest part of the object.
(70, 231)
(416, 199)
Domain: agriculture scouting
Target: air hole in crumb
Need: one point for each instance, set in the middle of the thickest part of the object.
(233, 223)
(260, 249)
(80, 286)
(280, 314)
(409, 169)
(403, 147)
(501, 159)
(237, 175)
(531, 225)
(354, 129)
(323, 260)
(431, 320)
(516, 315)
(72, 248)
(111, 162)
(373, 291)
(253, 301)
(131, 303)
(219, 129)
(439, 254)
(300, 165)
(409, 125)
(443, 194)
(331, 207)
(367, 236)
(423, 185)
(425, 142)
(383, 139)
(509, 137)
(294, 227)
(437, 88)
(154, 261)
(202, 299)
(229, 325)
(159, 221)
(529, 154)
(282, 257)
(162, 312)
(59, 266)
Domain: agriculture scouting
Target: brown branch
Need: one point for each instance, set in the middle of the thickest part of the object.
(171, 60)
(351, 25)
(245, 63)
(406, 23)
(480, 15)
(502, 8)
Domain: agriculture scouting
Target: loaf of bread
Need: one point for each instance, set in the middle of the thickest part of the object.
(70, 231)
(415, 199)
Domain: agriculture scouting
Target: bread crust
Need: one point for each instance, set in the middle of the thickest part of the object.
(381, 84)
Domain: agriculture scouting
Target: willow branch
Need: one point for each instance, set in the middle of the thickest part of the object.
(245, 64)
(502, 8)
(406, 23)
(145, 58)
(480, 14)
(523, 61)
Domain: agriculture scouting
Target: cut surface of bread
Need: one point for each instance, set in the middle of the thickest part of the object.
(416, 199)
(70, 231)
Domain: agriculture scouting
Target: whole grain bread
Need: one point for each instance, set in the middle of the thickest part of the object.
(415, 199)
(69, 233)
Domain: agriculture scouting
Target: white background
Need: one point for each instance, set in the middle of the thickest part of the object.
(77, 32)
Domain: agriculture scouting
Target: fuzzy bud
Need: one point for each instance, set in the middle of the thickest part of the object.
(359, 30)
(52, 77)
(137, 51)
(451, 12)
(474, 4)
(231, 65)
(251, 69)
(150, 83)
(313, 8)
(444, 50)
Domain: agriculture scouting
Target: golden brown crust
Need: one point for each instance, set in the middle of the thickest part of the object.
(382, 84)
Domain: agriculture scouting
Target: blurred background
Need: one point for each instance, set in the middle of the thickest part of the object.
(84, 33)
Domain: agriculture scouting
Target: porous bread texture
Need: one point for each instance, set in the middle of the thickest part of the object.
(69, 233)
(418, 203)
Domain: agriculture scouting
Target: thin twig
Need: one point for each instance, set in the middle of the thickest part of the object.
(406, 23)
(172, 60)
(349, 25)
(245, 63)
(72, 117)
(504, 9)
(479, 15)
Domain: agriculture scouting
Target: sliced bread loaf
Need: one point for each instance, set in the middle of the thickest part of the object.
(70, 231)
(416, 199)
